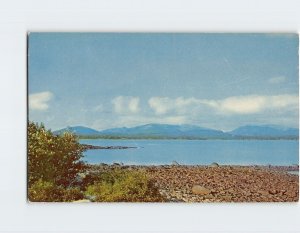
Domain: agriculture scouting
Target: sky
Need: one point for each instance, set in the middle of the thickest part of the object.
(108, 80)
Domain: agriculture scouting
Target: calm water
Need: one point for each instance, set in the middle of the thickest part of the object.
(234, 152)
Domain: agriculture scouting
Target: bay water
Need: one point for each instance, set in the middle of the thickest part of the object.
(194, 152)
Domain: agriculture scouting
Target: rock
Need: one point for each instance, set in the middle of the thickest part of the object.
(224, 183)
(209, 196)
(214, 165)
(175, 163)
(200, 190)
(213, 191)
(231, 190)
(272, 192)
(92, 147)
(227, 198)
(82, 201)
(81, 175)
(264, 193)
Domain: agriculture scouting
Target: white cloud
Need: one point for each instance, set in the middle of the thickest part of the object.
(133, 105)
(250, 104)
(161, 105)
(227, 113)
(282, 101)
(39, 101)
(126, 104)
(277, 80)
(255, 104)
(241, 104)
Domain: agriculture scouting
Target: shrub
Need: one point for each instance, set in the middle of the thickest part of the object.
(53, 158)
(45, 191)
(72, 194)
(124, 186)
(89, 179)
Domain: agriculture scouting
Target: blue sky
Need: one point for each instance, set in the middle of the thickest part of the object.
(106, 80)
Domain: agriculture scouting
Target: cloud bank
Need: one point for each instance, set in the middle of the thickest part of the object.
(226, 113)
(249, 104)
(39, 101)
(126, 104)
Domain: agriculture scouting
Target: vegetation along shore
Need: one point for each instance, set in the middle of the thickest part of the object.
(180, 183)
(56, 173)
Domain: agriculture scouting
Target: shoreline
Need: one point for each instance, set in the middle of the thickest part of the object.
(93, 147)
(218, 183)
(279, 168)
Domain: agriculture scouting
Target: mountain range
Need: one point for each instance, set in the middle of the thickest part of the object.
(265, 130)
(185, 131)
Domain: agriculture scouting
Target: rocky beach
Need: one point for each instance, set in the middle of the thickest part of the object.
(181, 183)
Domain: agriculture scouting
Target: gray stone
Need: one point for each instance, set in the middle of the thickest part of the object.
(175, 163)
(200, 190)
(215, 165)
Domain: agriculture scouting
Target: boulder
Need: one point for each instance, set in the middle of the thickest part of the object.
(214, 165)
(200, 190)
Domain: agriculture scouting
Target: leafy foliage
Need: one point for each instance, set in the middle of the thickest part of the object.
(124, 186)
(56, 173)
(52, 158)
(53, 164)
(44, 191)
(72, 194)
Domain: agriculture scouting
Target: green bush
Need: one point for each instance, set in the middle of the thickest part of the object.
(54, 165)
(53, 158)
(124, 186)
(72, 194)
(89, 179)
(45, 191)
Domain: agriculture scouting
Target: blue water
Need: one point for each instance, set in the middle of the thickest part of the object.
(191, 152)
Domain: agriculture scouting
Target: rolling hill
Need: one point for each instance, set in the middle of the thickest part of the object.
(165, 130)
(264, 131)
(78, 130)
(186, 131)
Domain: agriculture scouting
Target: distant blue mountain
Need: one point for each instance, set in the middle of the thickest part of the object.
(165, 130)
(78, 130)
(185, 131)
(265, 131)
